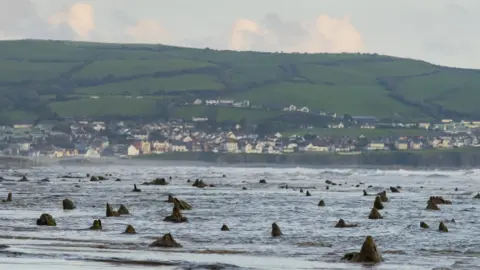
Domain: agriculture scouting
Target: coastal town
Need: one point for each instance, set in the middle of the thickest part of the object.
(92, 139)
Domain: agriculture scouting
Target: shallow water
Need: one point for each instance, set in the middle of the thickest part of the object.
(310, 240)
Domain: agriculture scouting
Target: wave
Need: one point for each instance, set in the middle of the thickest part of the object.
(336, 173)
(437, 175)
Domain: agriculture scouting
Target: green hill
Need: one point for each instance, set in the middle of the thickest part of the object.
(42, 79)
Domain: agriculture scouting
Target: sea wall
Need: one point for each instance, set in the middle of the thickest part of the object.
(452, 158)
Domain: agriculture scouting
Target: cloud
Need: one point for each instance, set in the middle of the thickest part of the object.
(148, 31)
(324, 34)
(79, 17)
(244, 34)
(19, 19)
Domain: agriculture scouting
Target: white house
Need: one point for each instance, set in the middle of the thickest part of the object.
(92, 153)
(98, 127)
(133, 151)
(140, 137)
(242, 104)
(197, 101)
(340, 125)
(367, 126)
(178, 147)
(226, 102)
(199, 119)
(304, 110)
(211, 102)
(290, 108)
(187, 139)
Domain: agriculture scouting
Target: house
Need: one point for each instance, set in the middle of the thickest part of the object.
(161, 147)
(197, 102)
(140, 136)
(196, 147)
(45, 126)
(231, 136)
(71, 152)
(424, 125)
(401, 145)
(367, 126)
(376, 145)
(291, 147)
(178, 146)
(23, 146)
(458, 144)
(92, 153)
(199, 119)
(225, 102)
(22, 126)
(57, 153)
(242, 104)
(313, 148)
(249, 149)
(211, 102)
(231, 146)
(435, 142)
(132, 150)
(187, 139)
(345, 148)
(290, 108)
(416, 145)
(145, 147)
(304, 110)
(340, 125)
(98, 127)
(446, 143)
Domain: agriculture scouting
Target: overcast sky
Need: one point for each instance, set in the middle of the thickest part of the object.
(439, 31)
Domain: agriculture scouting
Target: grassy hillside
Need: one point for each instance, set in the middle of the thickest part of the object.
(40, 78)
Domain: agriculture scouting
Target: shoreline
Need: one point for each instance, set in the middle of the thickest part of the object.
(451, 159)
(442, 160)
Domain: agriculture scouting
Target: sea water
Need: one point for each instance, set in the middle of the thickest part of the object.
(309, 239)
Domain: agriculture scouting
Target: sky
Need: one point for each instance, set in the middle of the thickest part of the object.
(438, 31)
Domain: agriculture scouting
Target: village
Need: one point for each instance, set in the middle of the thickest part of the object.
(92, 139)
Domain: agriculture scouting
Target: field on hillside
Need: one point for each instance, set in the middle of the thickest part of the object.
(152, 86)
(104, 106)
(46, 74)
(222, 113)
